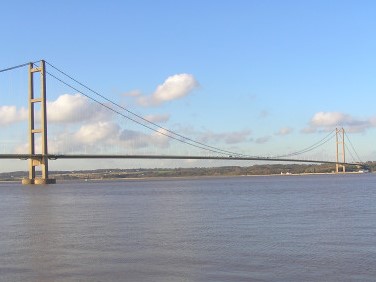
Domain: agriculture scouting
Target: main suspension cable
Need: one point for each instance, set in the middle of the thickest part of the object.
(170, 134)
(16, 67)
(353, 148)
(127, 117)
(310, 148)
(218, 150)
(348, 151)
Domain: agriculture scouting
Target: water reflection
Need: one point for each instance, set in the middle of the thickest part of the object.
(43, 234)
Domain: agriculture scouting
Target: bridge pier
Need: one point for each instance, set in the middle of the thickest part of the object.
(43, 161)
(38, 181)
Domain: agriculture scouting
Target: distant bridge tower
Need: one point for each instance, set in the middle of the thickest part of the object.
(340, 142)
(42, 159)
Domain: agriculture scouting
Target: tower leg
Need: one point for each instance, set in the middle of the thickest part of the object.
(43, 162)
(340, 139)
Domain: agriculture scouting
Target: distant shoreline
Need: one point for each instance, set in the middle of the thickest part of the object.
(213, 176)
(156, 178)
(189, 173)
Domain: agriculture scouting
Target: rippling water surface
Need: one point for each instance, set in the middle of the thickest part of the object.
(277, 228)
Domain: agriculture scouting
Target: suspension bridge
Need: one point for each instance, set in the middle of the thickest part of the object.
(38, 154)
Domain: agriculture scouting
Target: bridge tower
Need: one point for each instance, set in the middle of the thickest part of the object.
(340, 142)
(42, 159)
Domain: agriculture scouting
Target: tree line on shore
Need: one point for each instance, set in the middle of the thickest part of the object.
(264, 169)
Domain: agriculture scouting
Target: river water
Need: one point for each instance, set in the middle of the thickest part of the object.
(273, 228)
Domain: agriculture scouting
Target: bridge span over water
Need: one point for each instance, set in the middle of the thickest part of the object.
(41, 159)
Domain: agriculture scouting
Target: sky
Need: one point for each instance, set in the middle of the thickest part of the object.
(257, 77)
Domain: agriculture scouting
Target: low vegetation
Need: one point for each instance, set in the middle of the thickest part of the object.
(268, 169)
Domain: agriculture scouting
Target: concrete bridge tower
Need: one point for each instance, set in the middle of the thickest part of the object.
(340, 142)
(42, 159)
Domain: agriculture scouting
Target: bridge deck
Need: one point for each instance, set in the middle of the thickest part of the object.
(169, 157)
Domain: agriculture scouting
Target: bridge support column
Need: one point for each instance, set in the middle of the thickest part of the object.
(43, 161)
(340, 140)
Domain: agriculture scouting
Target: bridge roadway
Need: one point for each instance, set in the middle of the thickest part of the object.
(168, 157)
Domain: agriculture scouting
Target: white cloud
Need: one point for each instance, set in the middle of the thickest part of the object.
(65, 109)
(174, 87)
(137, 140)
(160, 139)
(327, 121)
(262, 140)
(75, 108)
(10, 114)
(157, 118)
(284, 131)
(95, 138)
(96, 132)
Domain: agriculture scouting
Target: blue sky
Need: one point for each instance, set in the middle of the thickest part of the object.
(259, 77)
